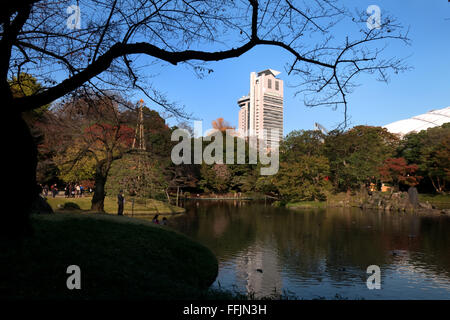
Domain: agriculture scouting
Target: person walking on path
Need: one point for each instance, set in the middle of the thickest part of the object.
(120, 202)
(54, 190)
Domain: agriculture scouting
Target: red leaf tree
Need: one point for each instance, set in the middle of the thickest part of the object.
(91, 128)
(397, 171)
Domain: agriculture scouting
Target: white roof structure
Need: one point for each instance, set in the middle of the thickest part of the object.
(433, 118)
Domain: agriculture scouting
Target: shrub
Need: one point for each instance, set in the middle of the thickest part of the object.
(71, 206)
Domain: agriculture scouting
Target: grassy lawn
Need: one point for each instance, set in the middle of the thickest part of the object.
(119, 258)
(306, 204)
(142, 209)
(441, 201)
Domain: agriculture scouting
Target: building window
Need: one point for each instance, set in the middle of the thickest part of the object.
(269, 83)
(277, 85)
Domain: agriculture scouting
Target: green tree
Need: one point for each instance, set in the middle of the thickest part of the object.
(137, 174)
(229, 177)
(300, 143)
(303, 180)
(26, 85)
(71, 170)
(435, 161)
(430, 150)
(355, 155)
(215, 178)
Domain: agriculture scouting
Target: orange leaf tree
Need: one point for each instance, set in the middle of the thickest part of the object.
(397, 171)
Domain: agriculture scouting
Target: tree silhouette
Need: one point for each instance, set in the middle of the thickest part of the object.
(107, 52)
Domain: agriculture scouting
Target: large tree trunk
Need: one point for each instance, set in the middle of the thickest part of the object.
(20, 161)
(101, 174)
(98, 199)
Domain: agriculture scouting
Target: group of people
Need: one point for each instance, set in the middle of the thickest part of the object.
(53, 189)
(71, 190)
(74, 190)
(163, 222)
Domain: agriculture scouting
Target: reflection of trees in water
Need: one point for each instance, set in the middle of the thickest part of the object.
(336, 242)
(223, 226)
(343, 242)
(433, 245)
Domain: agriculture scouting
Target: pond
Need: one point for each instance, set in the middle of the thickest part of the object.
(322, 253)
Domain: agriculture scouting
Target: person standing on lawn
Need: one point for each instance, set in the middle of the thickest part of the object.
(120, 202)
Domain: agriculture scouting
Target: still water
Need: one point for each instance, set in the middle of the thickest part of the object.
(322, 253)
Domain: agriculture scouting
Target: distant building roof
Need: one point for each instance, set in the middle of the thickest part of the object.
(267, 71)
(244, 98)
(433, 118)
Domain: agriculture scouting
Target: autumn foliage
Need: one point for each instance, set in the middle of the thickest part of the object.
(221, 125)
(105, 133)
(397, 171)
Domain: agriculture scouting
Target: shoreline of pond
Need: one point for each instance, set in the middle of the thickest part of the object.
(390, 202)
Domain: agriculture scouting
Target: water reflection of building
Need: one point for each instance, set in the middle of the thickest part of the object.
(257, 269)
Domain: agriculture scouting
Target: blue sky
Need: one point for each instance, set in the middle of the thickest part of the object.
(425, 87)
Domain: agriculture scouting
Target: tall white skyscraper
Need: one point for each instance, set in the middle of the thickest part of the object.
(263, 107)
